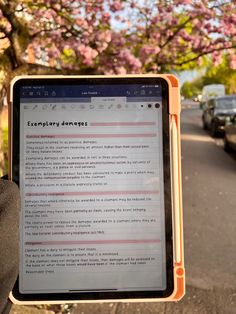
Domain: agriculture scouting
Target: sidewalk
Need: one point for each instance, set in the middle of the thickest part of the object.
(195, 301)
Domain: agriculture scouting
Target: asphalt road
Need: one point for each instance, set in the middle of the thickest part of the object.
(209, 194)
(209, 199)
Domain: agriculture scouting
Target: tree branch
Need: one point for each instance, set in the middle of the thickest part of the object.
(201, 55)
(46, 31)
(9, 15)
(179, 28)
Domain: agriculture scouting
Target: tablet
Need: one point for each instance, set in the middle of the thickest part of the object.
(97, 163)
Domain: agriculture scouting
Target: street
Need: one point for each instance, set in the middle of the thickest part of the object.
(209, 199)
(209, 176)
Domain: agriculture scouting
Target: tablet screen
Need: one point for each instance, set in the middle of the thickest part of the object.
(91, 177)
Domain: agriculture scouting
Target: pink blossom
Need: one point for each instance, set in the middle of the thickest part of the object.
(120, 70)
(227, 44)
(53, 53)
(57, 6)
(148, 52)
(169, 8)
(117, 40)
(104, 36)
(87, 29)
(232, 62)
(217, 57)
(106, 17)
(116, 6)
(81, 22)
(102, 46)
(182, 2)
(48, 14)
(156, 36)
(208, 26)
(127, 57)
(169, 33)
(58, 20)
(167, 17)
(87, 53)
(186, 1)
(196, 43)
(183, 33)
(155, 19)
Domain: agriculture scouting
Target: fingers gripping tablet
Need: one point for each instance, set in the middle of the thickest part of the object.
(97, 160)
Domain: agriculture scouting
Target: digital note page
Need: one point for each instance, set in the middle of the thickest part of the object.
(93, 204)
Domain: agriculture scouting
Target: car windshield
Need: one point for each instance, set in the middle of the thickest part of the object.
(226, 103)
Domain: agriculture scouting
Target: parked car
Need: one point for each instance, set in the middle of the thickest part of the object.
(230, 134)
(197, 98)
(210, 91)
(215, 112)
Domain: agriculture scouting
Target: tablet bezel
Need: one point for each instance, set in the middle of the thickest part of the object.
(101, 295)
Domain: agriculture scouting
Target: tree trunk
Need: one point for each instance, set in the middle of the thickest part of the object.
(2, 161)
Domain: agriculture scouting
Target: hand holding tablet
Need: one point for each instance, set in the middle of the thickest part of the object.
(97, 160)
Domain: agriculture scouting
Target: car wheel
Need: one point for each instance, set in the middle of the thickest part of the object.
(227, 147)
(213, 130)
(204, 125)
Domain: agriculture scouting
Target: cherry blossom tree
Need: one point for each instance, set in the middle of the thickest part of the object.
(113, 36)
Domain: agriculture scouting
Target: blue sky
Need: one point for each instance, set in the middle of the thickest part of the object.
(187, 75)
